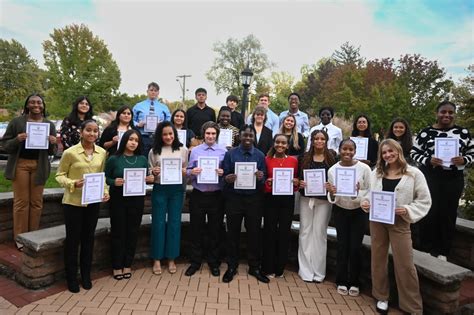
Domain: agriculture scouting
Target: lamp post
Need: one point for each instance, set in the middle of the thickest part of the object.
(245, 77)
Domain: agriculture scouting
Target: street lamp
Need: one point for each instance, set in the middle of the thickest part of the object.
(246, 78)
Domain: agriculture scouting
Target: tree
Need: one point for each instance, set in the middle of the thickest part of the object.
(348, 55)
(281, 86)
(19, 73)
(79, 63)
(233, 56)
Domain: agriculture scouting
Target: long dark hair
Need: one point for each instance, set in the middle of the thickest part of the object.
(26, 111)
(367, 133)
(124, 140)
(185, 122)
(116, 122)
(272, 151)
(329, 158)
(158, 142)
(406, 141)
(74, 117)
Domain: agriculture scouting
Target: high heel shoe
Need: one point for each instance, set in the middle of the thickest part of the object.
(157, 269)
(172, 267)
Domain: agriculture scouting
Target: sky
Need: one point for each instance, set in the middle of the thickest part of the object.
(159, 40)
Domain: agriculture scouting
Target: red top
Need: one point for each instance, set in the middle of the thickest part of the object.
(271, 163)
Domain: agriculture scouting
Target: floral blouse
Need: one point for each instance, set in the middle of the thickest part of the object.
(70, 133)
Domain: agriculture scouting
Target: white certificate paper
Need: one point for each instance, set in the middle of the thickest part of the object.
(246, 177)
(446, 149)
(120, 135)
(362, 146)
(171, 171)
(382, 207)
(346, 179)
(37, 135)
(209, 165)
(93, 189)
(282, 183)
(151, 121)
(315, 180)
(225, 137)
(134, 182)
(182, 136)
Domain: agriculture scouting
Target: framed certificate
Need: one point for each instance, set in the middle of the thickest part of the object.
(171, 171)
(225, 137)
(120, 135)
(246, 177)
(446, 149)
(362, 147)
(182, 135)
(209, 165)
(315, 180)
(346, 180)
(382, 207)
(37, 135)
(93, 189)
(134, 182)
(151, 121)
(282, 183)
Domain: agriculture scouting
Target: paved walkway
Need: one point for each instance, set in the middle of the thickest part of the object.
(202, 293)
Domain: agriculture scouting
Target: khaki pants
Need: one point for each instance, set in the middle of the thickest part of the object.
(27, 198)
(398, 236)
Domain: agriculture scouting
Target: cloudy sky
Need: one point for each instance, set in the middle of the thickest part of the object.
(158, 40)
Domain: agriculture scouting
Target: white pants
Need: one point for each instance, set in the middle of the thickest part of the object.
(314, 220)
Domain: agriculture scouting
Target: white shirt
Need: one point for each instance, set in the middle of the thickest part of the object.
(334, 133)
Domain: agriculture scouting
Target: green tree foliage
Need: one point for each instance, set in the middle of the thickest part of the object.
(19, 73)
(348, 55)
(232, 58)
(281, 86)
(80, 63)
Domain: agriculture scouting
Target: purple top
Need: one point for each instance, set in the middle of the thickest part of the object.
(205, 150)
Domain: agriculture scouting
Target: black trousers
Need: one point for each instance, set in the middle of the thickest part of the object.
(438, 226)
(205, 236)
(277, 218)
(80, 225)
(125, 219)
(350, 227)
(239, 207)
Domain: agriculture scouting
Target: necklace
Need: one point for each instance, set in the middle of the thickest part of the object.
(131, 163)
(280, 160)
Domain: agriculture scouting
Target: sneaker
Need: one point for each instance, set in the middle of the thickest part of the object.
(382, 307)
(342, 290)
(354, 291)
(443, 258)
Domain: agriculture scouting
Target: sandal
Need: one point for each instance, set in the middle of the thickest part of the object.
(342, 290)
(117, 275)
(354, 291)
(172, 267)
(156, 269)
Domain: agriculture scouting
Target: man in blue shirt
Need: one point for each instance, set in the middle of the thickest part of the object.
(244, 204)
(206, 199)
(302, 120)
(273, 122)
(150, 106)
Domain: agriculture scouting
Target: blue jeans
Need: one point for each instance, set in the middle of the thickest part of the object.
(167, 202)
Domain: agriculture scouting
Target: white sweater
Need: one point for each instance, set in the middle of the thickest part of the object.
(411, 193)
(363, 178)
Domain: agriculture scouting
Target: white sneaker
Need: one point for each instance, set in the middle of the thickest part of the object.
(382, 306)
(443, 258)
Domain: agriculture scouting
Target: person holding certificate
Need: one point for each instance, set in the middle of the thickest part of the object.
(348, 183)
(223, 120)
(393, 174)
(123, 121)
(80, 219)
(295, 139)
(167, 197)
(278, 211)
(28, 169)
(446, 182)
(361, 129)
(315, 209)
(244, 175)
(263, 139)
(127, 200)
(70, 127)
(178, 118)
(205, 170)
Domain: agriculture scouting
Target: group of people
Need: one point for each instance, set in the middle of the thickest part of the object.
(428, 193)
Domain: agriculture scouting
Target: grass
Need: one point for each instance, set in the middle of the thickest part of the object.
(6, 185)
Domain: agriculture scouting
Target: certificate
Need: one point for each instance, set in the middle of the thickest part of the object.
(120, 135)
(171, 171)
(315, 180)
(346, 181)
(37, 135)
(362, 146)
(282, 183)
(182, 136)
(209, 166)
(446, 149)
(134, 181)
(225, 137)
(93, 189)
(382, 207)
(151, 121)
(246, 177)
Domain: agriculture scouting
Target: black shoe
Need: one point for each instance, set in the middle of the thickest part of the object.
(229, 275)
(86, 283)
(73, 286)
(215, 271)
(257, 274)
(192, 270)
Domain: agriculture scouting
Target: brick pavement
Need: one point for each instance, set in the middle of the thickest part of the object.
(202, 293)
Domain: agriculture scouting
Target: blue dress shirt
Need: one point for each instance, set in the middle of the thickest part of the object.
(302, 121)
(141, 109)
(205, 150)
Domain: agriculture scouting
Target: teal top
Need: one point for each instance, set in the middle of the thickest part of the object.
(117, 163)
